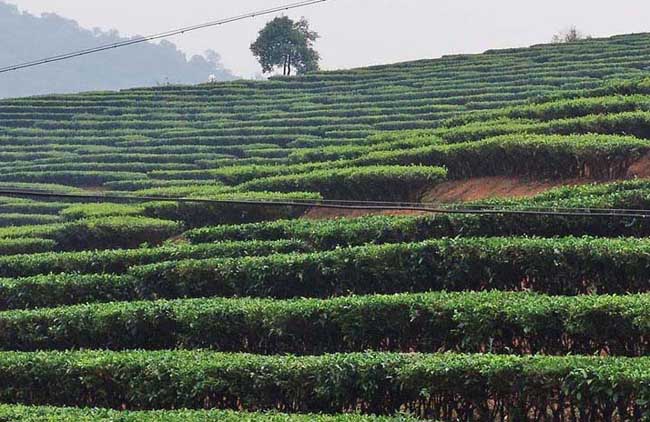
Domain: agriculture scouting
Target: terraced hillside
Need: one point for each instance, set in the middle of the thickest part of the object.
(138, 309)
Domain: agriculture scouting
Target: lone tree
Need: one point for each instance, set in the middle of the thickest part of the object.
(287, 44)
(569, 35)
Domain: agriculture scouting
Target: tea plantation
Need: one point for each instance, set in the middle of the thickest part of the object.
(163, 310)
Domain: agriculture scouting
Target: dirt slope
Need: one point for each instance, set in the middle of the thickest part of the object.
(493, 187)
(458, 191)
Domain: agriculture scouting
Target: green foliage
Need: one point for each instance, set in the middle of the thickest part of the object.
(567, 266)
(183, 136)
(462, 283)
(112, 232)
(636, 123)
(20, 219)
(534, 156)
(444, 386)
(120, 260)
(237, 174)
(52, 414)
(99, 233)
(25, 246)
(74, 178)
(76, 212)
(283, 42)
(327, 234)
(372, 182)
(196, 214)
(557, 266)
(26, 207)
(66, 289)
(498, 322)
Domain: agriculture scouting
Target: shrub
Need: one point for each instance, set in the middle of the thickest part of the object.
(565, 266)
(328, 234)
(52, 414)
(114, 232)
(120, 260)
(76, 212)
(595, 156)
(196, 214)
(497, 322)
(20, 219)
(25, 246)
(365, 183)
(444, 386)
(99, 233)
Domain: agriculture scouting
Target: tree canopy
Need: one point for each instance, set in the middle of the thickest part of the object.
(571, 34)
(287, 44)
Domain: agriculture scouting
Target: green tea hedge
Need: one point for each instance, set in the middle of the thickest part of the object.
(365, 183)
(99, 233)
(25, 246)
(498, 322)
(120, 260)
(328, 234)
(61, 414)
(567, 266)
(442, 386)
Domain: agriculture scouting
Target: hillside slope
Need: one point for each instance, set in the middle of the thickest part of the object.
(134, 310)
(166, 136)
(33, 38)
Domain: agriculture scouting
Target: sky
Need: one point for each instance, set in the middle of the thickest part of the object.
(358, 33)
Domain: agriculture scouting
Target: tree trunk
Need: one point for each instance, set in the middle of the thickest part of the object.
(289, 65)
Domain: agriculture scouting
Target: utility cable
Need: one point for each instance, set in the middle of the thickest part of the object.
(333, 204)
(160, 35)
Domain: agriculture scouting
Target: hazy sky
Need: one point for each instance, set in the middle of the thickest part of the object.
(361, 32)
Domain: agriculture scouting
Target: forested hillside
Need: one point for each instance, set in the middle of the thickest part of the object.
(147, 64)
(135, 309)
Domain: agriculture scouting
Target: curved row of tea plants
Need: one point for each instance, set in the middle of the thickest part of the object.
(438, 386)
(496, 322)
(566, 266)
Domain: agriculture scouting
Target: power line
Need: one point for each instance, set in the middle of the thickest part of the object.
(160, 35)
(345, 204)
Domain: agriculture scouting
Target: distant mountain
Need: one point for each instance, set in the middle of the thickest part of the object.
(25, 37)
